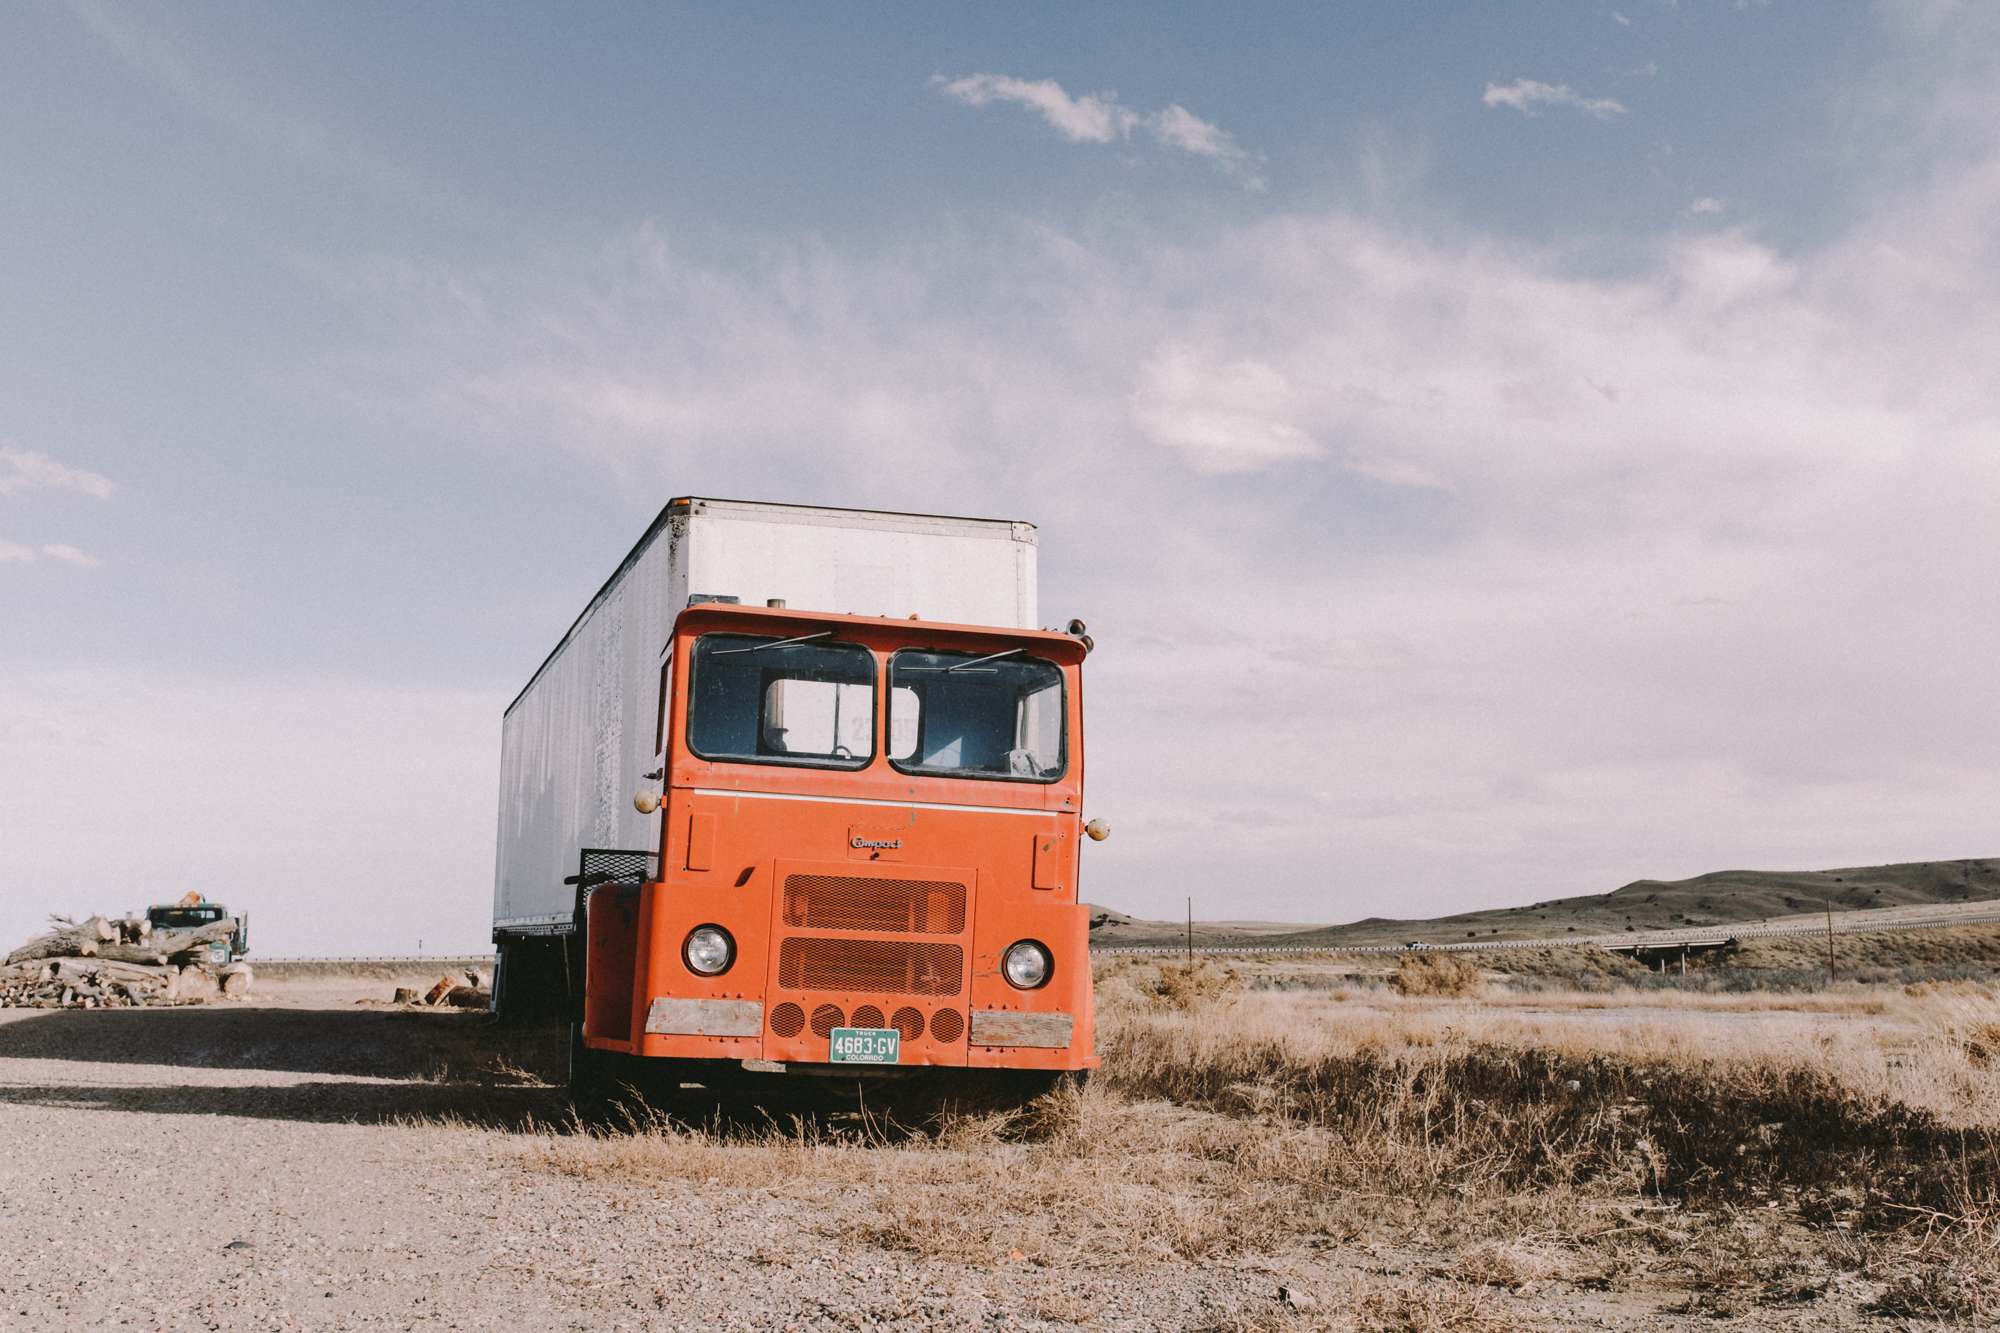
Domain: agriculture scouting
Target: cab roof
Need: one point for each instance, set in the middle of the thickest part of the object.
(706, 616)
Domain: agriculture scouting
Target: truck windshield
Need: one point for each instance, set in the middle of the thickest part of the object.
(976, 715)
(799, 701)
(176, 917)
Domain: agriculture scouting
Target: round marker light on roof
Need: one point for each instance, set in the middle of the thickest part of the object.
(1026, 965)
(709, 951)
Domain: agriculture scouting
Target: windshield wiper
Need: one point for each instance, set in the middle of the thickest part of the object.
(972, 666)
(774, 643)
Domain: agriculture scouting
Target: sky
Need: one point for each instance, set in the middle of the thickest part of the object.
(1501, 451)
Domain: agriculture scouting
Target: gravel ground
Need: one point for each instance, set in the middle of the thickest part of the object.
(281, 1164)
(310, 1160)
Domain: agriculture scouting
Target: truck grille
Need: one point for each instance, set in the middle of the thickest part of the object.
(894, 906)
(885, 967)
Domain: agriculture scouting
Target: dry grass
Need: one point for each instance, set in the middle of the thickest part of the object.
(1076, 1178)
(1698, 1152)
(1432, 1307)
(1174, 987)
(1436, 974)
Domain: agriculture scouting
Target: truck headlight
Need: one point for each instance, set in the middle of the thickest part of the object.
(709, 951)
(1026, 965)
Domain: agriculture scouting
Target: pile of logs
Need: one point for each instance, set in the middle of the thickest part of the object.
(475, 992)
(115, 962)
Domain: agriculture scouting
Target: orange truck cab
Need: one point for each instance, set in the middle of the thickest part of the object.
(868, 857)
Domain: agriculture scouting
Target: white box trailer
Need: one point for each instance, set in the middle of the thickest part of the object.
(577, 741)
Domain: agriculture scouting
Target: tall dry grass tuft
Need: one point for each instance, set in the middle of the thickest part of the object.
(1443, 974)
(1137, 986)
(1075, 1176)
(1448, 1109)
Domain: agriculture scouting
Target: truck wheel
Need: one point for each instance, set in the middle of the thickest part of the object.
(591, 1088)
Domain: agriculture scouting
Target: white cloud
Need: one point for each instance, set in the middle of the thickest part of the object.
(1399, 529)
(1091, 118)
(26, 470)
(1706, 206)
(70, 555)
(1100, 118)
(1177, 127)
(1526, 95)
(19, 554)
(1230, 417)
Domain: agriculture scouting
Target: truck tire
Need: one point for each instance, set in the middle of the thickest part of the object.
(592, 1088)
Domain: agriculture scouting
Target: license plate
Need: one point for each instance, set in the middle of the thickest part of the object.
(866, 1046)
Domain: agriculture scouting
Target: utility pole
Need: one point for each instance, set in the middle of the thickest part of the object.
(1190, 934)
(1829, 941)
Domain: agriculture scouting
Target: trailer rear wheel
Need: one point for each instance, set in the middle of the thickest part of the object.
(530, 983)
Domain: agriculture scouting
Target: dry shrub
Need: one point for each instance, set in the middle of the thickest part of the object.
(1182, 986)
(1433, 1307)
(1077, 1176)
(1945, 1291)
(1949, 990)
(1505, 1264)
(1982, 1045)
(1746, 1262)
(1469, 1115)
(1437, 974)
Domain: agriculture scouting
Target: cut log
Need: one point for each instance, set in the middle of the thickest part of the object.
(164, 946)
(194, 984)
(67, 940)
(469, 997)
(115, 963)
(236, 979)
(437, 993)
(139, 972)
(174, 943)
(404, 995)
(90, 940)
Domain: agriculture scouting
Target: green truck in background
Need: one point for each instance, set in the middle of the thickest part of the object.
(193, 912)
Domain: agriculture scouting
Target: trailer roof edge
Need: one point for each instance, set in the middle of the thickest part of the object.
(686, 503)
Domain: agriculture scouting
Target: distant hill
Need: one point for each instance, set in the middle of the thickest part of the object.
(1721, 897)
